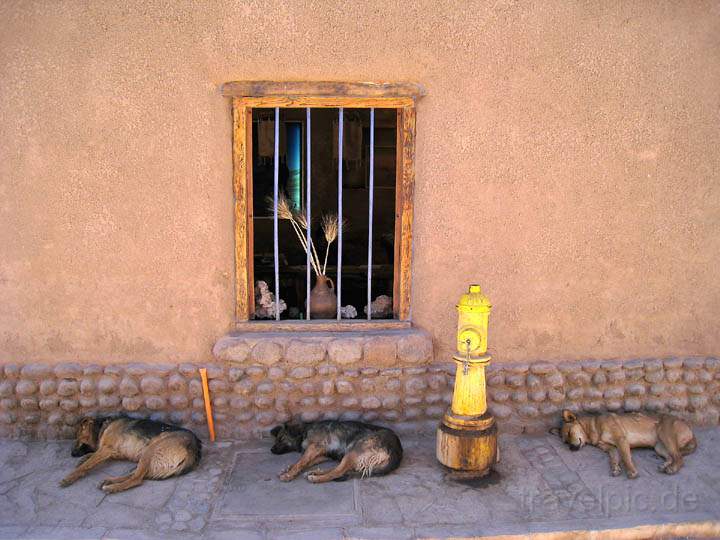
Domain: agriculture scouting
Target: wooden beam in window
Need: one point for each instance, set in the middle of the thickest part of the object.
(333, 89)
(404, 186)
(320, 102)
(242, 183)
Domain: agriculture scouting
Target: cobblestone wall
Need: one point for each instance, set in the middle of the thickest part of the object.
(389, 378)
(533, 394)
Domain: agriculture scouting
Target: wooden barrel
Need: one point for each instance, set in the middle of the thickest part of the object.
(466, 448)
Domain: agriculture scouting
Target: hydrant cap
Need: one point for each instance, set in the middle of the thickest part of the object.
(474, 300)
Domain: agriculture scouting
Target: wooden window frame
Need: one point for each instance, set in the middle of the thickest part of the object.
(247, 95)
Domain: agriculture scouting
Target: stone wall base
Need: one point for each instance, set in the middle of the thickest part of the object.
(250, 393)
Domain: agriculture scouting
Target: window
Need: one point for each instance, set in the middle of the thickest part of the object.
(347, 149)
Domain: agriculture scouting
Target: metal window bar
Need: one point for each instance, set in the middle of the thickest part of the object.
(338, 280)
(308, 203)
(276, 255)
(371, 185)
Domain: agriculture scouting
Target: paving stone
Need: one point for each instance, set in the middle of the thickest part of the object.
(712, 364)
(327, 370)
(107, 384)
(232, 350)
(578, 378)
(415, 348)
(632, 404)
(234, 534)
(635, 389)
(634, 364)
(304, 352)
(499, 395)
(12, 532)
(542, 368)
(68, 369)
(132, 403)
(128, 387)
(380, 351)
(515, 380)
(554, 379)
(370, 402)
(379, 533)
(307, 534)
(63, 533)
(152, 384)
(302, 372)
(254, 490)
(500, 411)
(25, 387)
(92, 369)
(672, 363)
(177, 383)
(266, 352)
(415, 385)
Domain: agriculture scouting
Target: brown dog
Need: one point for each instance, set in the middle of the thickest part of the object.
(615, 434)
(160, 450)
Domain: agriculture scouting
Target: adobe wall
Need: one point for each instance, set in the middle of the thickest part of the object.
(566, 161)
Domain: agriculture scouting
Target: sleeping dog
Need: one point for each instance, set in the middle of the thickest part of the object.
(671, 437)
(160, 450)
(360, 448)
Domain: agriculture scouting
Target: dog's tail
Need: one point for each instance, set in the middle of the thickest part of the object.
(690, 447)
(192, 458)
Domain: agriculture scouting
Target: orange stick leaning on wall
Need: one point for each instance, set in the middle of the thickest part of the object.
(208, 407)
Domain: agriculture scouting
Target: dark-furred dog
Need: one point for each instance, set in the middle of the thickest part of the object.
(360, 448)
(160, 450)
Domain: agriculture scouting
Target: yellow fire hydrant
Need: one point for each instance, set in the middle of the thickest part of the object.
(467, 435)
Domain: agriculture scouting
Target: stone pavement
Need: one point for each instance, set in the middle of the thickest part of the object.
(539, 486)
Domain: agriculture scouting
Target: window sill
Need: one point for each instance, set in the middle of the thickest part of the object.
(317, 344)
(346, 325)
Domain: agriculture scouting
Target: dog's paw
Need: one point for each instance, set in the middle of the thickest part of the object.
(65, 482)
(312, 477)
(632, 475)
(615, 472)
(285, 476)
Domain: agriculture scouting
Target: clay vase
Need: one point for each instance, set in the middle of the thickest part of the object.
(323, 301)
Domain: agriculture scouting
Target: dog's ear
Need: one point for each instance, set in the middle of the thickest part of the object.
(295, 429)
(274, 431)
(568, 416)
(87, 423)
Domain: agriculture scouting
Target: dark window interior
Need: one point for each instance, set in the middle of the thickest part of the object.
(324, 180)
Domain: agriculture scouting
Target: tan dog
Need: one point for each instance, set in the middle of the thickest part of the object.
(615, 434)
(160, 450)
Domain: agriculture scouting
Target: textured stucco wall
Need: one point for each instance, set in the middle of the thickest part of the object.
(567, 160)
